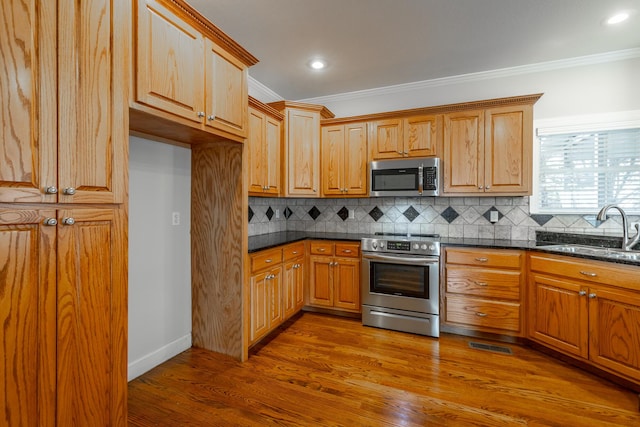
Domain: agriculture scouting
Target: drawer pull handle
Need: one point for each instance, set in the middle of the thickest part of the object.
(321, 249)
(268, 260)
(483, 259)
(347, 251)
(588, 273)
(480, 314)
(482, 284)
(295, 252)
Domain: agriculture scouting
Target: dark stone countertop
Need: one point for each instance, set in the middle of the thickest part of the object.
(271, 240)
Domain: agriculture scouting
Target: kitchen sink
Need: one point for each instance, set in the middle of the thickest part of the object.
(611, 253)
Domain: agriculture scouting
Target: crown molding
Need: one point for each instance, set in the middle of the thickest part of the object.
(480, 76)
(261, 92)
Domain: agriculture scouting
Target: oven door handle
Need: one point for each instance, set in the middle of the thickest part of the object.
(399, 259)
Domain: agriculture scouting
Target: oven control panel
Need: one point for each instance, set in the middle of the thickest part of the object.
(416, 247)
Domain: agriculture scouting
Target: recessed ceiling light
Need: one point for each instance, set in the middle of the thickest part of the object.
(317, 64)
(618, 18)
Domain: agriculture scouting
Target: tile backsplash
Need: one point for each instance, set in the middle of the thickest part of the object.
(468, 217)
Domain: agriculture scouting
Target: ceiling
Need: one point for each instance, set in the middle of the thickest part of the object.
(376, 43)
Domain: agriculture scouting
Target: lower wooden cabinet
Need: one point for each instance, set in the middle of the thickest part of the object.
(63, 311)
(483, 290)
(587, 309)
(334, 275)
(275, 288)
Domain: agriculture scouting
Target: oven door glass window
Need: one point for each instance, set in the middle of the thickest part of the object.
(400, 279)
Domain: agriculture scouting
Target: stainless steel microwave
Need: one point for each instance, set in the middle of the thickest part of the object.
(410, 177)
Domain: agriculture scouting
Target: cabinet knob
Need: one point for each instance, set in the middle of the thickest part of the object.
(487, 187)
(211, 117)
(68, 221)
(50, 221)
(51, 190)
(200, 114)
(592, 296)
(69, 191)
(480, 187)
(582, 293)
(406, 153)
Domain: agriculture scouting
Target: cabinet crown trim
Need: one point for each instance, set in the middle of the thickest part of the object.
(325, 113)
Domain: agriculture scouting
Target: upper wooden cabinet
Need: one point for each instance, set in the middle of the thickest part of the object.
(414, 136)
(184, 77)
(63, 138)
(263, 149)
(344, 160)
(301, 147)
(488, 151)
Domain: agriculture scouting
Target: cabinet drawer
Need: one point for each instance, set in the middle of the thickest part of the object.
(490, 283)
(293, 250)
(349, 250)
(479, 312)
(266, 259)
(485, 258)
(321, 248)
(624, 276)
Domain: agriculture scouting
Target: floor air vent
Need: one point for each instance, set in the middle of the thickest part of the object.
(490, 347)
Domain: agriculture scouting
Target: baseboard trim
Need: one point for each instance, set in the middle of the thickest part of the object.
(151, 360)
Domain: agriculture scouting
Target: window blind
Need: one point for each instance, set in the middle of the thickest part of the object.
(579, 172)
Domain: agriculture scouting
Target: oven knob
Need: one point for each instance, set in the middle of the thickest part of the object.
(375, 245)
(416, 246)
(432, 247)
(381, 245)
(423, 247)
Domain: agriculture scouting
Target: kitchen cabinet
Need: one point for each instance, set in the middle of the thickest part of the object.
(484, 290)
(263, 149)
(344, 160)
(265, 292)
(413, 136)
(64, 340)
(63, 137)
(488, 151)
(293, 280)
(587, 309)
(301, 147)
(64, 265)
(183, 75)
(334, 275)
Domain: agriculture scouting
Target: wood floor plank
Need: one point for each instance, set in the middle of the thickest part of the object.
(330, 371)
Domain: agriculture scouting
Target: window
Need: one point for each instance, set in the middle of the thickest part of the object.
(583, 166)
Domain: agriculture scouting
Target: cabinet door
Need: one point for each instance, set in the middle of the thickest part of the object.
(386, 140)
(28, 93)
(274, 290)
(28, 318)
(91, 318)
(256, 146)
(333, 162)
(300, 272)
(226, 91)
(272, 156)
(614, 330)
(421, 136)
(93, 113)
(321, 281)
(259, 306)
(464, 152)
(170, 62)
(558, 314)
(346, 276)
(303, 144)
(292, 285)
(355, 159)
(508, 149)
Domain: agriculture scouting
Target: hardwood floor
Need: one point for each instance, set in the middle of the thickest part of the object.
(331, 371)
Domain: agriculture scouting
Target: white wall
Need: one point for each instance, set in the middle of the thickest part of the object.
(572, 87)
(159, 253)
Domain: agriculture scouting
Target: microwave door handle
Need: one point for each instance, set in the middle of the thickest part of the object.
(420, 180)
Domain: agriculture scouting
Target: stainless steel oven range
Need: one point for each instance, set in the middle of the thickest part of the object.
(400, 283)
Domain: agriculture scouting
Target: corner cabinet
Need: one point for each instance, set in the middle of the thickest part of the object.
(63, 256)
(489, 151)
(344, 160)
(263, 149)
(186, 85)
(301, 147)
(587, 309)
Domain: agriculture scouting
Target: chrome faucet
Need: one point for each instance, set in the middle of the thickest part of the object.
(626, 244)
